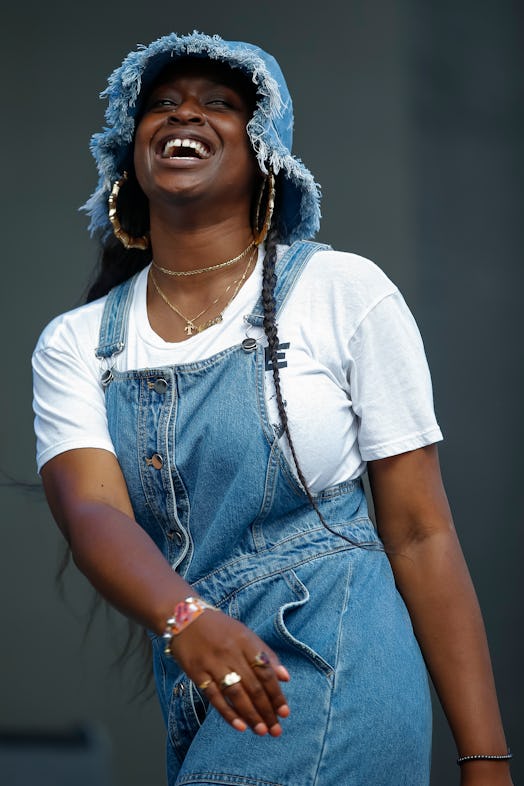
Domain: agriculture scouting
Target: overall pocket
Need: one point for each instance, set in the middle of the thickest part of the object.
(298, 611)
(187, 712)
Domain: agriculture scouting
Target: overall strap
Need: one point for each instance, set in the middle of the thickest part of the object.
(113, 328)
(288, 271)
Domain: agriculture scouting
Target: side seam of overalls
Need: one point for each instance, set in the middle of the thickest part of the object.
(210, 484)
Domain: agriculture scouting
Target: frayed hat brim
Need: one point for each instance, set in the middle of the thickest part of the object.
(270, 129)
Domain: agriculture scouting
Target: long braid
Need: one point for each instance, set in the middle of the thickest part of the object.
(269, 280)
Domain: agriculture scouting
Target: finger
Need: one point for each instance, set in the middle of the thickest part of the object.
(204, 683)
(253, 709)
(266, 667)
(261, 700)
(267, 680)
(282, 673)
(226, 710)
(267, 657)
(257, 697)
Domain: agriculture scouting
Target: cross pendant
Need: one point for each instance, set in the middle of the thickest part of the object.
(189, 328)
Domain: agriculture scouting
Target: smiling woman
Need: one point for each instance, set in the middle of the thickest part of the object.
(207, 471)
(192, 151)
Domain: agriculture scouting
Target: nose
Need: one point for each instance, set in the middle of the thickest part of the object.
(188, 110)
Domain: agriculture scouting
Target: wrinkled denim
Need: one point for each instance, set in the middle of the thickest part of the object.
(226, 510)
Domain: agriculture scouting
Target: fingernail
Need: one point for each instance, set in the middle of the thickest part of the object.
(260, 728)
(239, 725)
(276, 730)
(282, 673)
(283, 711)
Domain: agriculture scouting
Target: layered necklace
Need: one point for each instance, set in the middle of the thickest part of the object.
(191, 324)
(199, 270)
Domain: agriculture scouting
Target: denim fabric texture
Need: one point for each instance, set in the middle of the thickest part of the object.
(209, 483)
(270, 129)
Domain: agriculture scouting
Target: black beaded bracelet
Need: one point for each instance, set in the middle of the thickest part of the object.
(485, 757)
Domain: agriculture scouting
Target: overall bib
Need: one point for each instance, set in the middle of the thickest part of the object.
(209, 483)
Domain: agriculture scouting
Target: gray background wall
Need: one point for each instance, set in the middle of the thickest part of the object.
(410, 114)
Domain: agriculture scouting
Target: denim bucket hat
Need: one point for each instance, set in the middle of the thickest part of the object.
(270, 129)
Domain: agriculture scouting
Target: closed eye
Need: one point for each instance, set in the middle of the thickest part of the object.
(219, 102)
(160, 103)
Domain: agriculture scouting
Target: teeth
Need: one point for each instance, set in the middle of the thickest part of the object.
(200, 149)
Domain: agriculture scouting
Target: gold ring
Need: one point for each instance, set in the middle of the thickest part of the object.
(204, 685)
(260, 659)
(231, 678)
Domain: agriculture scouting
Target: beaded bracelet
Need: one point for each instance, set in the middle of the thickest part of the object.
(485, 757)
(184, 614)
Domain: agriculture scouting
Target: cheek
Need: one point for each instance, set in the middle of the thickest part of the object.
(246, 158)
(141, 153)
(243, 173)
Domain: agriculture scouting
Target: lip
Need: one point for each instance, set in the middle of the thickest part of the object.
(181, 162)
(160, 144)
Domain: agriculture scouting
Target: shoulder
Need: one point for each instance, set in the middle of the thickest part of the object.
(345, 280)
(72, 329)
(349, 269)
(81, 325)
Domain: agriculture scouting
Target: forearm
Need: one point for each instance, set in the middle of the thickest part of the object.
(124, 565)
(88, 498)
(434, 581)
(90, 503)
(415, 523)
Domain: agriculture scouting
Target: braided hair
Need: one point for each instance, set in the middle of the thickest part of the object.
(269, 280)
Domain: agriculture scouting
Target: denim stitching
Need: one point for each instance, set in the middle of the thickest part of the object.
(222, 779)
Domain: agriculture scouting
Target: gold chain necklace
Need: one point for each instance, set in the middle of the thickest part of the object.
(221, 265)
(191, 326)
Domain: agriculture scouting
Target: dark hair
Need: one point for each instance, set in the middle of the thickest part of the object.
(116, 264)
(269, 280)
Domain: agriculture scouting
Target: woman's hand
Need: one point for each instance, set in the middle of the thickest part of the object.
(215, 645)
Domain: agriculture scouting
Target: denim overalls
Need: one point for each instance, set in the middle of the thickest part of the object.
(209, 483)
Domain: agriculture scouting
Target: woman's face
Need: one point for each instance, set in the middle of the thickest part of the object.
(191, 141)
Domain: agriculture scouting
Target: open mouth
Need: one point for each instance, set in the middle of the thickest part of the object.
(185, 148)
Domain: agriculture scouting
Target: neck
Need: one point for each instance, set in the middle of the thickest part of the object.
(190, 245)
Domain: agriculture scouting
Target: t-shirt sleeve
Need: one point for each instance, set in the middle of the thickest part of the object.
(390, 383)
(68, 402)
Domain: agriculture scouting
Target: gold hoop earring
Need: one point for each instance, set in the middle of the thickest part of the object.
(127, 240)
(261, 234)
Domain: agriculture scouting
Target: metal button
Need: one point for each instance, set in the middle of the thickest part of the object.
(179, 689)
(155, 461)
(249, 345)
(159, 386)
(175, 535)
(106, 377)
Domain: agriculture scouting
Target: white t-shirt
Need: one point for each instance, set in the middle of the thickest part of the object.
(356, 384)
